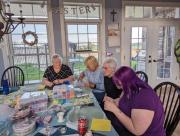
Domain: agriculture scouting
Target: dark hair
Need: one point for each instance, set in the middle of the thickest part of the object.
(130, 82)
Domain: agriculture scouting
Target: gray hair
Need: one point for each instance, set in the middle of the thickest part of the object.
(57, 56)
(112, 62)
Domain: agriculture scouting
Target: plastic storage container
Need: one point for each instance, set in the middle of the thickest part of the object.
(38, 101)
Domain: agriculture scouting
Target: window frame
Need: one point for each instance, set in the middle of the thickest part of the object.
(33, 21)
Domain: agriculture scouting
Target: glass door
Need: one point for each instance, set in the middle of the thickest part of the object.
(164, 62)
(149, 47)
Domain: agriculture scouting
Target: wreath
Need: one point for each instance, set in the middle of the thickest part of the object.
(29, 33)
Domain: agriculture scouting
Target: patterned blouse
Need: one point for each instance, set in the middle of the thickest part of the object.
(51, 75)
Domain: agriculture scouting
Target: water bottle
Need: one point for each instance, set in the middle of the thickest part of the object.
(5, 87)
(67, 94)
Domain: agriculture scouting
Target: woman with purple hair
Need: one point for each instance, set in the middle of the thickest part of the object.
(139, 111)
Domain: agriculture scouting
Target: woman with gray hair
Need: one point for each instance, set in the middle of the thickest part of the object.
(109, 68)
(112, 92)
(58, 73)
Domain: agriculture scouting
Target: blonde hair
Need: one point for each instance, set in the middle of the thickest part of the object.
(91, 60)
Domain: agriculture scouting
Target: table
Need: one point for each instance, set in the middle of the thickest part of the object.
(54, 119)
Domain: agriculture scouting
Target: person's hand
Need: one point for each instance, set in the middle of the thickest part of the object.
(50, 84)
(110, 106)
(56, 81)
(106, 98)
(60, 81)
(87, 85)
(81, 76)
(91, 85)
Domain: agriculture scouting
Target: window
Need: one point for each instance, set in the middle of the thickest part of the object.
(167, 12)
(138, 48)
(82, 41)
(28, 10)
(32, 59)
(138, 12)
(151, 12)
(82, 10)
(82, 38)
(166, 42)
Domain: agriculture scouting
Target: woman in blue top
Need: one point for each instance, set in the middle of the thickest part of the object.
(95, 77)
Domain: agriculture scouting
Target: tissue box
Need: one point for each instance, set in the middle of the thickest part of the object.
(38, 101)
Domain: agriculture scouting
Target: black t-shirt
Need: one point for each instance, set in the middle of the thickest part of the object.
(110, 88)
(51, 75)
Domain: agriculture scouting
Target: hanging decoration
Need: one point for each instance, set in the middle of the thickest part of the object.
(30, 38)
(7, 23)
(177, 51)
(113, 13)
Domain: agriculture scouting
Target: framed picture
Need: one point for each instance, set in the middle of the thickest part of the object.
(113, 35)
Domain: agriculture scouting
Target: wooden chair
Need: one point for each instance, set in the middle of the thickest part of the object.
(142, 75)
(14, 75)
(169, 94)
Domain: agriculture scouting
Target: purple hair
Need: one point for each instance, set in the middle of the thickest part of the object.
(129, 81)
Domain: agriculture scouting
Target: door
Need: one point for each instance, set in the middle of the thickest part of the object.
(164, 61)
(149, 47)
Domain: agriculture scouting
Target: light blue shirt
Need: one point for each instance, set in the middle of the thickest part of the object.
(97, 78)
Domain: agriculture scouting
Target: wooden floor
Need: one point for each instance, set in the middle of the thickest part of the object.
(177, 131)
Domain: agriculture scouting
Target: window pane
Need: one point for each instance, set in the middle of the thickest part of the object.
(92, 28)
(72, 29)
(147, 12)
(26, 9)
(129, 11)
(82, 10)
(167, 12)
(40, 11)
(134, 32)
(18, 49)
(70, 12)
(18, 30)
(41, 29)
(166, 42)
(42, 38)
(31, 50)
(82, 28)
(93, 37)
(95, 12)
(29, 27)
(42, 59)
(73, 38)
(93, 46)
(17, 39)
(83, 38)
(18, 60)
(82, 46)
(138, 11)
(14, 8)
(138, 48)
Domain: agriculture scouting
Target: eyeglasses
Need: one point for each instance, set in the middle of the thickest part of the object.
(105, 68)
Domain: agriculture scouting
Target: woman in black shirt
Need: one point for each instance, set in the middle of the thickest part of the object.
(58, 73)
(109, 67)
